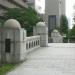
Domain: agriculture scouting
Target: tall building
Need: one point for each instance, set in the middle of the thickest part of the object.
(53, 11)
(5, 5)
(31, 3)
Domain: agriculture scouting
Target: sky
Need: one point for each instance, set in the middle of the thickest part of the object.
(40, 4)
(70, 11)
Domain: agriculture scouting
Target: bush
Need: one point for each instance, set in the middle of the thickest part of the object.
(65, 40)
(6, 68)
(63, 25)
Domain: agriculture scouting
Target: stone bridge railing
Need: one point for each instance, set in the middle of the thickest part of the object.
(32, 42)
(15, 45)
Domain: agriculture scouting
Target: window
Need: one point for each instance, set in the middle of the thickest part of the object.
(51, 23)
(8, 0)
(60, 1)
(24, 0)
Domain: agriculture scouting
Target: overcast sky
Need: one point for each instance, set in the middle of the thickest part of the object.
(40, 4)
(69, 10)
(69, 7)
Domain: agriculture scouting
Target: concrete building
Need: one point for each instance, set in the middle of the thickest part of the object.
(5, 5)
(53, 11)
(31, 3)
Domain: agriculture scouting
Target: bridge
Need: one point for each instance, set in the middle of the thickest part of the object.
(42, 58)
(56, 59)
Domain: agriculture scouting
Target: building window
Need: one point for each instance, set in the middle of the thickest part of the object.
(8, 0)
(51, 22)
(24, 0)
(60, 1)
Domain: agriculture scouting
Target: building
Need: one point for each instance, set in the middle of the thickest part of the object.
(31, 3)
(53, 11)
(38, 5)
(5, 5)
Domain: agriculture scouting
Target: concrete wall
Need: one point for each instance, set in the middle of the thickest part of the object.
(31, 1)
(54, 7)
(22, 44)
(7, 4)
(21, 3)
(63, 7)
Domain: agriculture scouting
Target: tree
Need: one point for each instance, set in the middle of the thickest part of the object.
(74, 14)
(63, 25)
(72, 32)
(27, 17)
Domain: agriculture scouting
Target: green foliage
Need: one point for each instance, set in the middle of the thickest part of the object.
(27, 17)
(6, 68)
(72, 35)
(74, 18)
(1, 22)
(72, 32)
(63, 25)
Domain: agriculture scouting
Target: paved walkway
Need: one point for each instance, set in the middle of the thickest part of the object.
(57, 59)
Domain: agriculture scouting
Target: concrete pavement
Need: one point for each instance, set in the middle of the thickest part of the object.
(56, 59)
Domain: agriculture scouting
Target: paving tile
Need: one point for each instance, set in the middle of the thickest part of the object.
(56, 59)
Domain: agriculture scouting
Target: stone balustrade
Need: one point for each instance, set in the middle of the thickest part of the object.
(15, 45)
(32, 42)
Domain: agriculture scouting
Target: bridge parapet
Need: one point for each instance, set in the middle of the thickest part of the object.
(42, 30)
(32, 42)
(15, 45)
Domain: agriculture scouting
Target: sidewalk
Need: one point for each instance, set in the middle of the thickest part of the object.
(57, 59)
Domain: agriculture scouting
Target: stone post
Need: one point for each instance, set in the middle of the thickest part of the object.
(56, 37)
(42, 30)
(13, 42)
